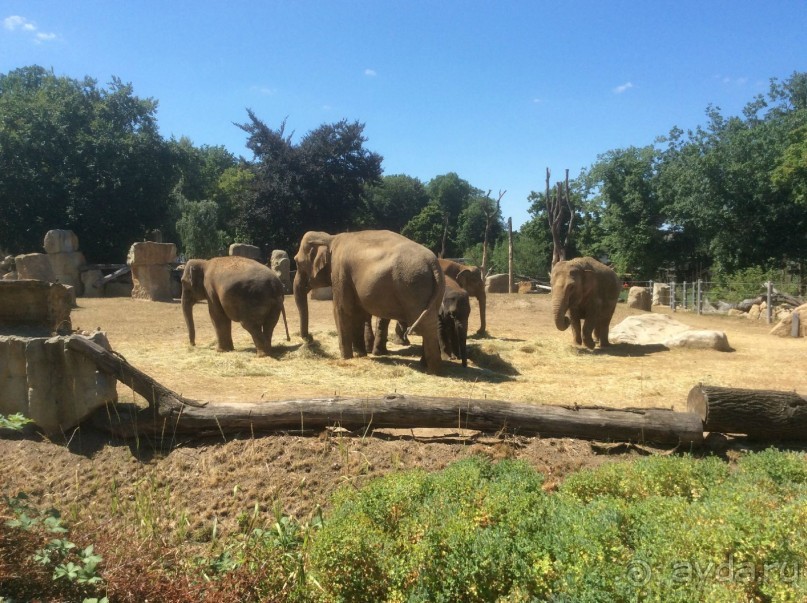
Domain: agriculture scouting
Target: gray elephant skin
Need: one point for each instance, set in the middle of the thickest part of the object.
(470, 279)
(454, 313)
(236, 289)
(588, 291)
(372, 273)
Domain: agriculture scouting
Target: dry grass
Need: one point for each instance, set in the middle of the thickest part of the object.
(525, 359)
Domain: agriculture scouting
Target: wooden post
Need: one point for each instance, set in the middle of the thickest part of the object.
(510, 277)
(769, 309)
(766, 414)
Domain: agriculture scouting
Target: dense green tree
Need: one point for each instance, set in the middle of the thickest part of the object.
(273, 215)
(198, 229)
(449, 195)
(392, 203)
(316, 185)
(473, 220)
(631, 219)
(335, 169)
(77, 156)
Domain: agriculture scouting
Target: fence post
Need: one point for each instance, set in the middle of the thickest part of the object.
(672, 295)
(769, 310)
(698, 301)
(685, 295)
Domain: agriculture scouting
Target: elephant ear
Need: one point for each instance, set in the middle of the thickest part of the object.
(464, 278)
(321, 261)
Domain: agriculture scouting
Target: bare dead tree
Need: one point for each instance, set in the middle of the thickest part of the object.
(490, 214)
(557, 208)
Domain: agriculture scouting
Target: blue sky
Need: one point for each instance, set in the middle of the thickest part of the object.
(496, 91)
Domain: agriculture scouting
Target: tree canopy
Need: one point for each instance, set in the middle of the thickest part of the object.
(78, 156)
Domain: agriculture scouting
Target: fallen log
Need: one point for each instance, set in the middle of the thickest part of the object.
(764, 414)
(170, 413)
(399, 411)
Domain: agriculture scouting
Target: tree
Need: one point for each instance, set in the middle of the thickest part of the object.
(198, 229)
(560, 215)
(80, 157)
(480, 221)
(631, 217)
(449, 195)
(392, 203)
(316, 185)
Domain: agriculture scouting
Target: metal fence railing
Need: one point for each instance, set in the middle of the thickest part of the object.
(703, 297)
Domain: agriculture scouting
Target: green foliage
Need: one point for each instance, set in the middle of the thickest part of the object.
(77, 566)
(198, 230)
(392, 203)
(15, 422)
(659, 529)
(81, 157)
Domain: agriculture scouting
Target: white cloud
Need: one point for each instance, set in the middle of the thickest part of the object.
(265, 90)
(18, 23)
(538, 101)
(370, 72)
(623, 88)
(732, 81)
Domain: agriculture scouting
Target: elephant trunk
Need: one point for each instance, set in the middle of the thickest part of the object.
(482, 300)
(301, 289)
(559, 306)
(187, 311)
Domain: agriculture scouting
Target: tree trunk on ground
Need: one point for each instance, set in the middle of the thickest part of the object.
(765, 414)
(398, 411)
(171, 414)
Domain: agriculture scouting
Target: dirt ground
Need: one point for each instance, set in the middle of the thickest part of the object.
(188, 489)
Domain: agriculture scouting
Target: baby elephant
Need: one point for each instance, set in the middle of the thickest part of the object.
(235, 289)
(453, 315)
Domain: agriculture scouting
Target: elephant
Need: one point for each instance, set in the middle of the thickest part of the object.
(372, 273)
(588, 290)
(454, 312)
(470, 279)
(235, 289)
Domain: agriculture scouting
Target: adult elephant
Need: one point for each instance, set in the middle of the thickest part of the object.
(372, 273)
(470, 279)
(235, 289)
(588, 290)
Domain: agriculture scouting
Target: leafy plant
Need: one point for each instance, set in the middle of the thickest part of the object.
(15, 422)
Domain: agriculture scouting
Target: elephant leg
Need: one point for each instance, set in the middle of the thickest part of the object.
(379, 343)
(360, 323)
(576, 333)
(588, 328)
(255, 329)
(443, 337)
(343, 331)
(400, 336)
(223, 326)
(269, 324)
(429, 330)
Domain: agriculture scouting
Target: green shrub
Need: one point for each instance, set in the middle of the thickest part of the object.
(658, 529)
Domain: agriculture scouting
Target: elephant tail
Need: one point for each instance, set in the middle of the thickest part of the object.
(285, 324)
(436, 298)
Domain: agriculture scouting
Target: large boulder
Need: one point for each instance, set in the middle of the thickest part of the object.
(784, 328)
(639, 298)
(499, 283)
(51, 384)
(280, 263)
(661, 294)
(60, 241)
(35, 307)
(660, 329)
(151, 270)
(246, 251)
(35, 266)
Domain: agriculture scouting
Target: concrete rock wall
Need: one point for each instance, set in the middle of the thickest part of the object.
(53, 386)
